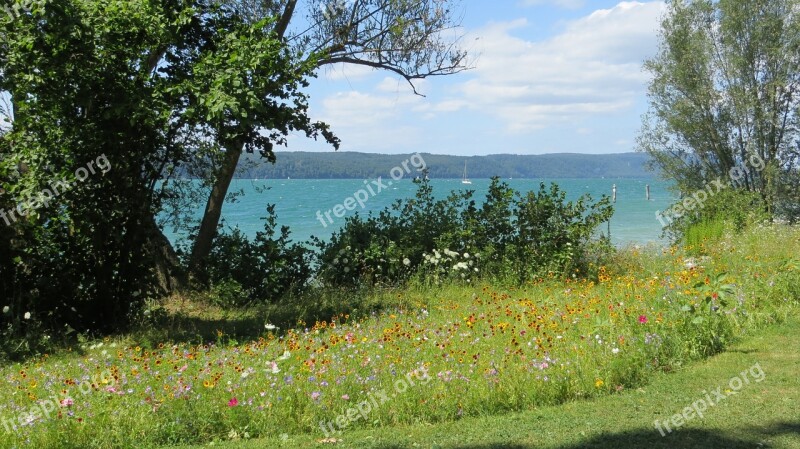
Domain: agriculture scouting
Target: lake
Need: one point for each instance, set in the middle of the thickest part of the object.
(297, 202)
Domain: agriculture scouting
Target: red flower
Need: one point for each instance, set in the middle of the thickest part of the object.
(233, 402)
(642, 319)
(715, 295)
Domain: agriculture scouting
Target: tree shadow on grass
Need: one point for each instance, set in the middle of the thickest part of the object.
(187, 319)
(182, 327)
(758, 437)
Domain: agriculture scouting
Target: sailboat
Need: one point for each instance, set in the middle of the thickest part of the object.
(465, 180)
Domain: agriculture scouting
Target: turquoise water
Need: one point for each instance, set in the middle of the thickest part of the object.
(298, 200)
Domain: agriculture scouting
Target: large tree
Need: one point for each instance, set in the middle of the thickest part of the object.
(724, 94)
(406, 37)
(137, 92)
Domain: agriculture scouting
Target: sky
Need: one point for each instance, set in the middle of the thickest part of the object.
(547, 76)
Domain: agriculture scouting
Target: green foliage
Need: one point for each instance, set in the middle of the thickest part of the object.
(518, 238)
(698, 234)
(265, 269)
(552, 233)
(728, 209)
(81, 258)
(145, 87)
(387, 248)
(705, 321)
(724, 97)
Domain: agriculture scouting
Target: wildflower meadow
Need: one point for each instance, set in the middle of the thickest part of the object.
(481, 350)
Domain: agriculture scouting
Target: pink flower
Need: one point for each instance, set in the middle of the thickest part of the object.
(346, 397)
(315, 395)
(66, 402)
(233, 402)
(642, 319)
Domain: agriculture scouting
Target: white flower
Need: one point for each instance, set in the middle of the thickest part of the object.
(615, 351)
(346, 269)
(406, 261)
(6, 309)
(27, 315)
(466, 255)
(336, 261)
(270, 327)
(286, 355)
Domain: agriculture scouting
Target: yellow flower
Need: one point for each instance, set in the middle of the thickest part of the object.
(598, 383)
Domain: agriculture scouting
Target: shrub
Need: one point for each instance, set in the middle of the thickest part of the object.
(264, 269)
(729, 207)
(519, 238)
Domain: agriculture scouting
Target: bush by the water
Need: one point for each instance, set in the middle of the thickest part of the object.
(241, 271)
(511, 237)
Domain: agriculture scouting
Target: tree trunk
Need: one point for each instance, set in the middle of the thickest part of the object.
(166, 264)
(208, 227)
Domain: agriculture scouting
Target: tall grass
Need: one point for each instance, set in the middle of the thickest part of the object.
(700, 234)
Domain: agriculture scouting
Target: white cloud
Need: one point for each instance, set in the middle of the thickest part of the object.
(585, 80)
(382, 120)
(592, 67)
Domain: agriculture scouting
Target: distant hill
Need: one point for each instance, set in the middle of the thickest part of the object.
(342, 165)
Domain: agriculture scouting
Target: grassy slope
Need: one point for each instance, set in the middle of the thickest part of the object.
(761, 415)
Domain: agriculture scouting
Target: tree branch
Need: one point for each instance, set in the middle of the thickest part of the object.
(286, 18)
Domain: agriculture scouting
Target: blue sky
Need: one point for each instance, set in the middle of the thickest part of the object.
(548, 76)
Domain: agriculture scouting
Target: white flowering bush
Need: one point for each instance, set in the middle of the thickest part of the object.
(447, 265)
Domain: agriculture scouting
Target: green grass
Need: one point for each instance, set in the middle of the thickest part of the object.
(761, 415)
(477, 353)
